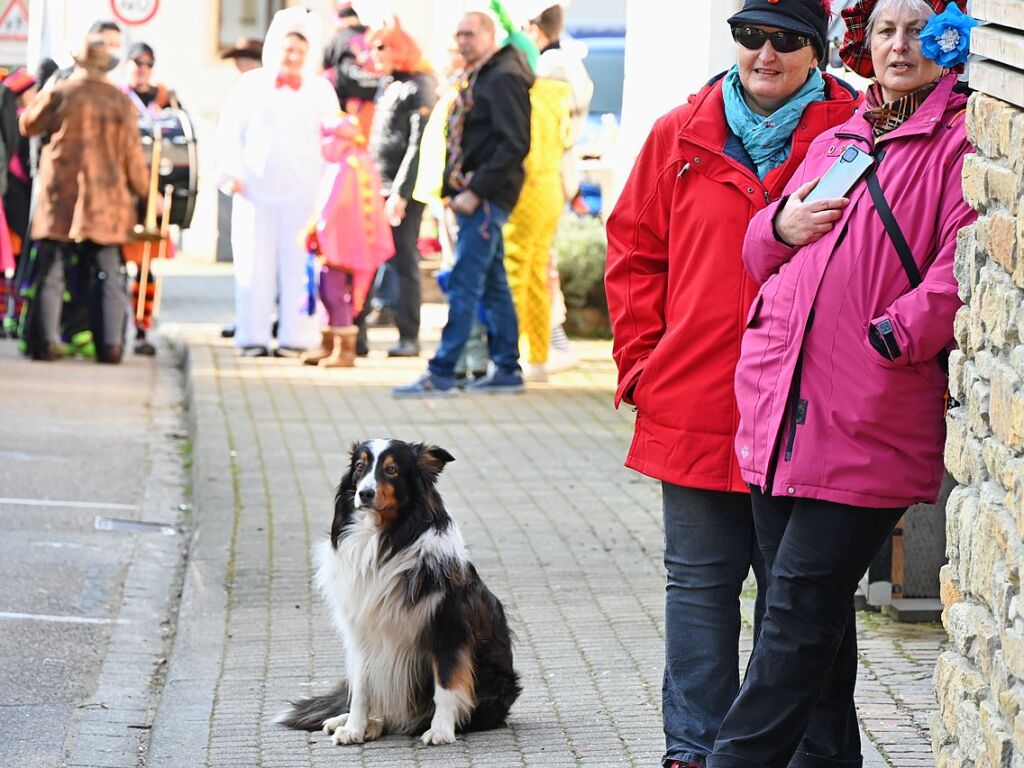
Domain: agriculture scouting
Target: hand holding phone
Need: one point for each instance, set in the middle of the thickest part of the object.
(842, 176)
(813, 209)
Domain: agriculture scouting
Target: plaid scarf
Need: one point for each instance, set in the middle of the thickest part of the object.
(886, 117)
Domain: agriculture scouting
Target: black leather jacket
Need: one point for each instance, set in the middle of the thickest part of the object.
(403, 104)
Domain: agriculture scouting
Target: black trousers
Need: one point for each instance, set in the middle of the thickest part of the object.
(804, 662)
(406, 265)
(406, 262)
(103, 276)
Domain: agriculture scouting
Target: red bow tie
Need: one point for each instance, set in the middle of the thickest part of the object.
(291, 81)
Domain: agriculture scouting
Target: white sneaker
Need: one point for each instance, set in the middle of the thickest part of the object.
(535, 372)
(559, 360)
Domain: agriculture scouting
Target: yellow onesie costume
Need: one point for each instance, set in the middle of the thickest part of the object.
(530, 230)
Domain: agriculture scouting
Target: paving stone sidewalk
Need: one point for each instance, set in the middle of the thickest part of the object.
(568, 538)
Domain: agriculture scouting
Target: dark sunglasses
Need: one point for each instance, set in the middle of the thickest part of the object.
(783, 42)
(143, 63)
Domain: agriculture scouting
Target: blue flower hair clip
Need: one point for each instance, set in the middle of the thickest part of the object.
(946, 38)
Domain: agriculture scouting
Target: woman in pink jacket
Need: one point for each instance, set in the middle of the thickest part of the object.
(840, 383)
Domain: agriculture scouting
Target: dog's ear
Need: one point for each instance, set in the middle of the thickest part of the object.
(431, 459)
(344, 501)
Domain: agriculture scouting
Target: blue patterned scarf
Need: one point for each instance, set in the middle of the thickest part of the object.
(768, 140)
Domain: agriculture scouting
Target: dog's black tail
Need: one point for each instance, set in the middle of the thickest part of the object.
(492, 708)
(497, 682)
(309, 714)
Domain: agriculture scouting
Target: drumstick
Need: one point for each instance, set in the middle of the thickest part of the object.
(161, 254)
(150, 223)
(140, 307)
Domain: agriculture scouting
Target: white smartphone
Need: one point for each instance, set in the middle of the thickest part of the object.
(842, 176)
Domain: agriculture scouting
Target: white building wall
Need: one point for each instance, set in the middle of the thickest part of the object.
(672, 50)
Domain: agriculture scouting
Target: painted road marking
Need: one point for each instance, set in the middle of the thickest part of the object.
(7, 616)
(66, 504)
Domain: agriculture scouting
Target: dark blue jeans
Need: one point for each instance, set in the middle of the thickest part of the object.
(796, 704)
(478, 277)
(710, 548)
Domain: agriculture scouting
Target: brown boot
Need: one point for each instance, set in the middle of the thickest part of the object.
(344, 353)
(314, 356)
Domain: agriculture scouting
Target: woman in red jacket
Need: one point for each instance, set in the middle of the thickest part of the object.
(678, 296)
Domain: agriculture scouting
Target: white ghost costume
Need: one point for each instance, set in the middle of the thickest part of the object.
(269, 139)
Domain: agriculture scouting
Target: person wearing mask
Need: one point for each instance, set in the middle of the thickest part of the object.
(488, 137)
(268, 145)
(840, 381)
(88, 171)
(75, 322)
(109, 32)
(678, 294)
(407, 95)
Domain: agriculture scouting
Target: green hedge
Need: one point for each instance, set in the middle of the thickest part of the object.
(582, 249)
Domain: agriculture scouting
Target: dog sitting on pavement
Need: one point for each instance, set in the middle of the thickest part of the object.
(427, 645)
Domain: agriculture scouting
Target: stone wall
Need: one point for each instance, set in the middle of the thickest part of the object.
(979, 681)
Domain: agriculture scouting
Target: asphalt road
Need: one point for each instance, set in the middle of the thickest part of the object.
(81, 441)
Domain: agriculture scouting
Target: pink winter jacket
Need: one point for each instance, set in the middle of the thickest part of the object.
(824, 415)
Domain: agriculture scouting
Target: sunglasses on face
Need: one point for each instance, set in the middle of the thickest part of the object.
(143, 63)
(753, 39)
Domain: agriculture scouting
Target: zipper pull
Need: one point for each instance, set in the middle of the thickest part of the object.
(684, 170)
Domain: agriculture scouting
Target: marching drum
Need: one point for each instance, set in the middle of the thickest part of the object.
(179, 160)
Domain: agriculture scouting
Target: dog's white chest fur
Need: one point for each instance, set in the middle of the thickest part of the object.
(380, 627)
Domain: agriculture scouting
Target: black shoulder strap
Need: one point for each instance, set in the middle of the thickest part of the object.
(892, 227)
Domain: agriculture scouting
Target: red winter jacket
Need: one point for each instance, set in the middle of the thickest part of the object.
(677, 290)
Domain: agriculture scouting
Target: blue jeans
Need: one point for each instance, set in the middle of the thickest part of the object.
(710, 547)
(478, 276)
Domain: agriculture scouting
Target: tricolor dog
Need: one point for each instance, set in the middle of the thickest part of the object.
(427, 645)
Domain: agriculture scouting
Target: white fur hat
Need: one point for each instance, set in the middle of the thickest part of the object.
(289, 21)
